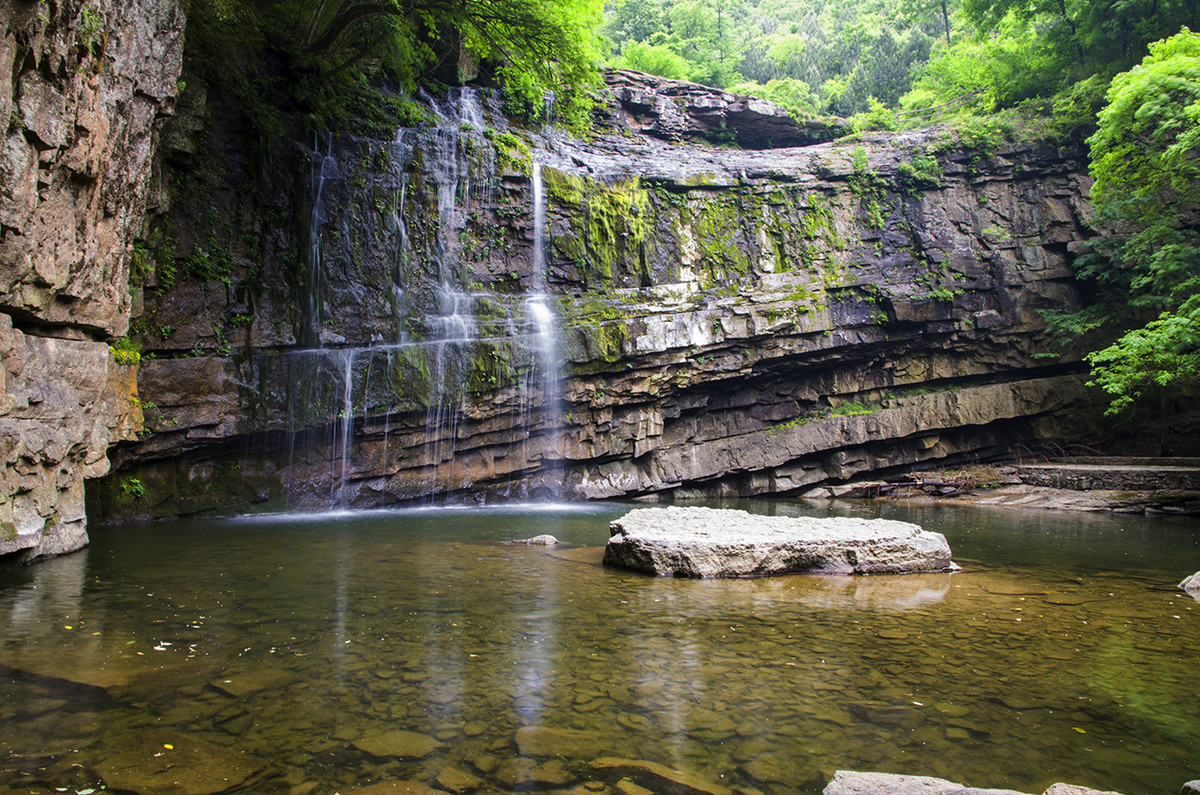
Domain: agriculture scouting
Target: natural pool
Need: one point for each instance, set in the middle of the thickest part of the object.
(319, 654)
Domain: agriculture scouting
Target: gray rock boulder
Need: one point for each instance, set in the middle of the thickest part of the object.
(1075, 789)
(544, 540)
(708, 542)
(848, 782)
(1191, 583)
(1191, 787)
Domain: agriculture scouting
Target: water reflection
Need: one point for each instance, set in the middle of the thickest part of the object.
(333, 653)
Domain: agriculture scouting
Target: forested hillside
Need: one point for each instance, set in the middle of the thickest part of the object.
(845, 58)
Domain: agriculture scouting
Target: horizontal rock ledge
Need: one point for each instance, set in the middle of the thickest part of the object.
(711, 542)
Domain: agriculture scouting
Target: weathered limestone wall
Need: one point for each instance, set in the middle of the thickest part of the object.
(726, 321)
(82, 86)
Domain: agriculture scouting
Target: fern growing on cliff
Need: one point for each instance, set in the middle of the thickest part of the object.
(326, 53)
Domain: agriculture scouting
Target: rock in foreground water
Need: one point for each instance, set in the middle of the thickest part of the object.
(848, 782)
(709, 542)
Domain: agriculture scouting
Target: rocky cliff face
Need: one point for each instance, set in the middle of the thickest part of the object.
(82, 85)
(466, 310)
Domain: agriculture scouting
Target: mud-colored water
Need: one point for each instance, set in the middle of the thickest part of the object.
(328, 653)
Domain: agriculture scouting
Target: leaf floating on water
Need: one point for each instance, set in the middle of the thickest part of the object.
(1081, 731)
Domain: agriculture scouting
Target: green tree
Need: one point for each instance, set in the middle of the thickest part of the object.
(923, 9)
(1145, 157)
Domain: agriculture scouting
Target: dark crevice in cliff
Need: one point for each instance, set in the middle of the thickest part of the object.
(33, 325)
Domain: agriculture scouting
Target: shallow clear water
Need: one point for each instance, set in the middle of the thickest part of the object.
(316, 654)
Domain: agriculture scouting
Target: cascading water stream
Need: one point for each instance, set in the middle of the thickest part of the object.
(453, 326)
(548, 369)
(436, 353)
(325, 167)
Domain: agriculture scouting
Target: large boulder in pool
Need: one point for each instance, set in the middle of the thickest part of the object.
(709, 542)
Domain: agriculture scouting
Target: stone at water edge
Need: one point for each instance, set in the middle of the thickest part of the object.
(1191, 583)
(1191, 787)
(544, 540)
(851, 782)
(708, 542)
(1075, 789)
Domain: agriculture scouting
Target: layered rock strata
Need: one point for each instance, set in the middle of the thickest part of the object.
(471, 310)
(82, 87)
(708, 542)
(676, 110)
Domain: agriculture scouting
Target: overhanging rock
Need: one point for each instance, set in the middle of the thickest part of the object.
(709, 542)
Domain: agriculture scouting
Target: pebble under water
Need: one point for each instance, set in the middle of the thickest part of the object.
(393, 651)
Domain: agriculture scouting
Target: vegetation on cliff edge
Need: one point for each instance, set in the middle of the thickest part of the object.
(324, 58)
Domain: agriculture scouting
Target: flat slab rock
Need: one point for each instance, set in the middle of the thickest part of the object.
(847, 782)
(711, 542)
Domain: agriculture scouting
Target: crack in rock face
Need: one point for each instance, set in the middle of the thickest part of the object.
(710, 542)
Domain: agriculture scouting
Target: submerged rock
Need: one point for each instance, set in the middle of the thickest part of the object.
(708, 542)
(173, 763)
(570, 743)
(658, 778)
(524, 774)
(397, 743)
(388, 787)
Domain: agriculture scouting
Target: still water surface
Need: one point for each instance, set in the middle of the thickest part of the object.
(319, 654)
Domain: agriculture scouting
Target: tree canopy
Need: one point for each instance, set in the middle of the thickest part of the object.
(1145, 158)
(855, 54)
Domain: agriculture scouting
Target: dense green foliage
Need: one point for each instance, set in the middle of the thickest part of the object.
(1146, 162)
(844, 58)
(812, 56)
(326, 57)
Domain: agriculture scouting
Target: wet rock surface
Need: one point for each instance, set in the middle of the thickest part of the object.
(708, 542)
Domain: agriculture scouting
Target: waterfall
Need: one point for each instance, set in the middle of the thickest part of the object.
(324, 168)
(411, 308)
(454, 326)
(547, 368)
(346, 418)
(401, 240)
